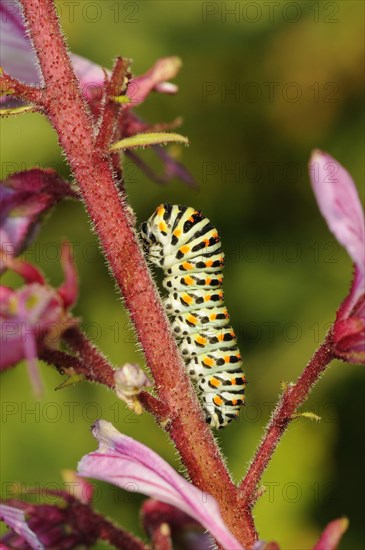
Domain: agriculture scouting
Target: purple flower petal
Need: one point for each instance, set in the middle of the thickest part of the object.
(24, 197)
(331, 536)
(155, 78)
(15, 519)
(340, 205)
(174, 169)
(69, 289)
(28, 272)
(66, 525)
(166, 88)
(24, 316)
(131, 465)
(17, 56)
(90, 76)
(19, 60)
(33, 315)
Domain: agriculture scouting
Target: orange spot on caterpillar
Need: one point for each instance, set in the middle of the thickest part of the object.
(188, 280)
(234, 401)
(208, 280)
(233, 381)
(201, 340)
(162, 226)
(208, 361)
(218, 400)
(187, 299)
(187, 266)
(207, 297)
(209, 263)
(191, 319)
(215, 382)
(213, 316)
(184, 249)
(177, 232)
(226, 358)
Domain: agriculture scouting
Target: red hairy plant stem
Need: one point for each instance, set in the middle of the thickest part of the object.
(111, 108)
(67, 111)
(154, 406)
(117, 537)
(63, 361)
(19, 89)
(100, 370)
(102, 528)
(293, 396)
(109, 117)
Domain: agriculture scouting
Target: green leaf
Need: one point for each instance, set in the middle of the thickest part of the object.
(143, 140)
(70, 381)
(309, 415)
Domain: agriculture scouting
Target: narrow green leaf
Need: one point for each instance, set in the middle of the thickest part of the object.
(18, 110)
(143, 140)
(309, 415)
(70, 381)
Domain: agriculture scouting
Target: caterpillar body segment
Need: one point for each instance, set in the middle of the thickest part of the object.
(187, 247)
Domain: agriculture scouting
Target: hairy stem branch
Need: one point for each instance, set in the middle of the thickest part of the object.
(293, 396)
(12, 87)
(100, 370)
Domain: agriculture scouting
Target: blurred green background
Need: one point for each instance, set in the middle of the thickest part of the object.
(296, 69)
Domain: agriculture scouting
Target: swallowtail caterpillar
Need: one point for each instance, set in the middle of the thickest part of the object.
(187, 247)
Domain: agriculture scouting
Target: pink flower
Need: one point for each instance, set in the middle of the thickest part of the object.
(24, 197)
(66, 524)
(332, 535)
(131, 465)
(19, 61)
(154, 79)
(15, 519)
(34, 315)
(339, 204)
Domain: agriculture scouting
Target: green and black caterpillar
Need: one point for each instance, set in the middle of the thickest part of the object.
(187, 247)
